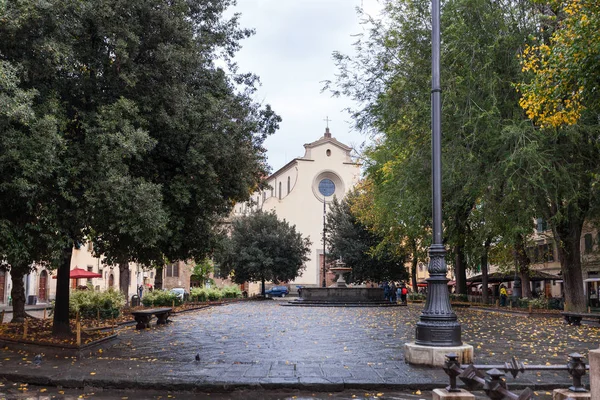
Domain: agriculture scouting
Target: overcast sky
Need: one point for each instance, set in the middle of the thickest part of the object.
(291, 52)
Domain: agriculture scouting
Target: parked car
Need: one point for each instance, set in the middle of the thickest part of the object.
(180, 292)
(277, 291)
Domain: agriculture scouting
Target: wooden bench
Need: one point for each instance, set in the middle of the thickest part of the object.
(143, 317)
(574, 318)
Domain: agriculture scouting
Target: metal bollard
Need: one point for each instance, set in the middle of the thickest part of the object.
(576, 368)
(452, 369)
(494, 384)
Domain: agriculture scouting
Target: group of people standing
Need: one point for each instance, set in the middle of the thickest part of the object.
(393, 293)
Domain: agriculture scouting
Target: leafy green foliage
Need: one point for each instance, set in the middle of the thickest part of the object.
(91, 303)
(214, 294)
(562, 63)
(263, 248)
(391, 80)
(417, 296)
(231, 292)
(360, 248)
(147, 143)
(161, 298)
(202, 271)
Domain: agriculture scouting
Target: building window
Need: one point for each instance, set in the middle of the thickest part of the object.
(264, 196)
(279, 190)
(588, 243)
(549, 252)
(90, 268)
(289, 185)
(326, 187)
(328, 152)
(541, 225)
(151, 274)
(90, 246)
(542, 253)
(173, 270)
(271, 192)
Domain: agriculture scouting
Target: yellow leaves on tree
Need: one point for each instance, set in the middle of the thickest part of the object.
(563, 66)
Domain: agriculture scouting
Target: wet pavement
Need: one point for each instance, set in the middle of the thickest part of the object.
(262, 346)
(15, 391)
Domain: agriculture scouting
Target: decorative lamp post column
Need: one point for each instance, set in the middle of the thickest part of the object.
(438, 325)
(324, 284)
(326, 188)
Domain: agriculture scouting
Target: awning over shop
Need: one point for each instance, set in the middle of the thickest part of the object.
(423, 283)
(497, 277)
(78, 273)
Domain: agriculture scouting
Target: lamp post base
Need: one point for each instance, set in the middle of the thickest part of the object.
(436, 356)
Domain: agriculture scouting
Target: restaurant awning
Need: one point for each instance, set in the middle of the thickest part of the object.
(78, 273)
(423, 283)
(497, 277)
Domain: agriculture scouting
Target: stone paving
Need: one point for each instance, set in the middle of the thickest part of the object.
(263, 345)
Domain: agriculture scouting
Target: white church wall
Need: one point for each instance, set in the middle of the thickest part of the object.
(303, 205)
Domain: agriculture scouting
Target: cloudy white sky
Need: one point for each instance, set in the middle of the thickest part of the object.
(291, 52)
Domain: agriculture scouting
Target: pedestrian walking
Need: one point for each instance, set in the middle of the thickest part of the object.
(503, 295)
(140, 291)
(386, 291)
(393, 293)
(403, 293)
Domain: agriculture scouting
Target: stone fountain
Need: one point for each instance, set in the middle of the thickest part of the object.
(340, 269)
(340, 295)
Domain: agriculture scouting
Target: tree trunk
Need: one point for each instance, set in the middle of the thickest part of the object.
(263, 287)
(525, 285)
(523, 262)
(568, 237)
(17, 294)
(413, 270)
(124, 274)
(484, 271)
(158, 278)
(460, 271)
(60, 326)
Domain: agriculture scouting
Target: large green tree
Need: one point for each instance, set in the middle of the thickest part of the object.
(263, 248)
(360, 248)
(554, 159)
(157, 142)
(28, 154)
(562, 59)
(391, 78)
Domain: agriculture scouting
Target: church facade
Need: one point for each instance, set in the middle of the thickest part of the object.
(301, 190)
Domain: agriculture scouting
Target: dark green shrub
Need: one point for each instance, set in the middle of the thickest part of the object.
(161, 298)
(231, 292)
(214, 294)
(459, 297)
(416, 296)
(555, 303)
(198, 294)
(90, 303)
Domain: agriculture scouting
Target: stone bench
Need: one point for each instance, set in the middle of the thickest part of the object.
(143, 317)
(574, 318)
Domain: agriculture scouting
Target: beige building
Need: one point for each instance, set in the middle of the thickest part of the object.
(41, 287)
(299, 190)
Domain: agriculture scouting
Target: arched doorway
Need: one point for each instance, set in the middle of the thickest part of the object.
(42, 288)
(111, 280)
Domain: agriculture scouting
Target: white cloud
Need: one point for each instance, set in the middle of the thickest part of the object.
(292, 53)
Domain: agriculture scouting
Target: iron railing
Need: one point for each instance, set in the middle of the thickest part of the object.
(492, 381)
